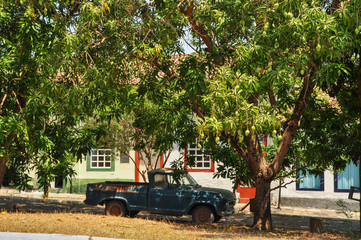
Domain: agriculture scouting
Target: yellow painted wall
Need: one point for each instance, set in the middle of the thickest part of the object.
(121, 170)
(143, 168)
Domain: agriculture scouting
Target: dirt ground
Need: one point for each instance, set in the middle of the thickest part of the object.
(279, 221)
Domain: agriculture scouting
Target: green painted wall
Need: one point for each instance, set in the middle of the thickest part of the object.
(119, 172)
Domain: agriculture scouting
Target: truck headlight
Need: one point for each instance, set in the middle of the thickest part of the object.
(226, 206)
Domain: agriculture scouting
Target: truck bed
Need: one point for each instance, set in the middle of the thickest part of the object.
(134, 194)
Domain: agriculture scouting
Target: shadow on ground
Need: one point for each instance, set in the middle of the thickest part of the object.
(279, 221)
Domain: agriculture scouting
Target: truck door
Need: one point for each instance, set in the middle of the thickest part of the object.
(167, 197)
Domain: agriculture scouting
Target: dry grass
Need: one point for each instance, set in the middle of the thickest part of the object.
(138, 228)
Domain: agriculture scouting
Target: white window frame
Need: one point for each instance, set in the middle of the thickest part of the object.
(200, 158)
(101, 159)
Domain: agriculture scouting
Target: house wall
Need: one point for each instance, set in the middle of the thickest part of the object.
(326, 198)
(155, 163)
(290, 196)
(205, 179)
(121, 172)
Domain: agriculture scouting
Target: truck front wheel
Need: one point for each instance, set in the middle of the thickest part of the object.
(202, 214)
(217, 218)
(115, 208)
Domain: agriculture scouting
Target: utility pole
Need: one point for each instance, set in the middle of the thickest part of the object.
(279, 196)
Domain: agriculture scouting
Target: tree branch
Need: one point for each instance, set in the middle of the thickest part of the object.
(2, 100)
(97, 43)
(334, 6)
(359, 89)
(272, 99)
(239, 150)
(198, 28)
(292, 124)
(166, 158)
(73, 9)
(288, 183)
(136, 166)
(22, 77)
(18, 103)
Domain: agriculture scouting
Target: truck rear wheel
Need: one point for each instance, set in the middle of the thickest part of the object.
(133, 213)
(115, 208)
(202, 214)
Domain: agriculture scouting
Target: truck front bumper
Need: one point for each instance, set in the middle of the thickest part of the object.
(228, 212)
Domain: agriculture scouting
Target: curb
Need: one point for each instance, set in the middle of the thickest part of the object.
(44, 236)
(42, 200)
(323, 218)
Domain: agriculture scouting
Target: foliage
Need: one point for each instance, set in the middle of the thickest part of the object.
(255, 69)
(178, 169)
(39, 97)
(343, 209)
(344, 121)
(150, 129)
(330, 135)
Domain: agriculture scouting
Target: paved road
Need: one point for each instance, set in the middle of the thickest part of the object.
(39, 205)
(243, 218)
(40, 236)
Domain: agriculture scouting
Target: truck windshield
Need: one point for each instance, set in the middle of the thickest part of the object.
(188, 180)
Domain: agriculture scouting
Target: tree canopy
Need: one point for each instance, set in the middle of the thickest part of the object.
(255, 68)
(39, 105)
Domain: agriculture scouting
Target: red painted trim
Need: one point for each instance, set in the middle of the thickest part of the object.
(265, 139)
(202, 170)
(162, 161)
(136, 173)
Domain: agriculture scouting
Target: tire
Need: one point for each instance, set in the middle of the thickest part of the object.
(202, 214)
(217, 218)
(133, 213)
(115, 208)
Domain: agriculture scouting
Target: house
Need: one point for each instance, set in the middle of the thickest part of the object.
(325, 191)
(103, 164)
(106, 164)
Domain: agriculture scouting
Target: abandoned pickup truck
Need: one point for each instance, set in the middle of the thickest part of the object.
(164, 194)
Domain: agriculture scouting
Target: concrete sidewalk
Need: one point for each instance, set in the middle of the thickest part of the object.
(41, 236)
(37, 195)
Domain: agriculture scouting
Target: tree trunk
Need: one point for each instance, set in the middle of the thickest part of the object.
(262, 216)
(3, 168)
(46, 192)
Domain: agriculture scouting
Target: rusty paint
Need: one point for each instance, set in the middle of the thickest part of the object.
(117, 188)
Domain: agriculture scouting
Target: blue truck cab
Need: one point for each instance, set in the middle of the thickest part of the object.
(164, 194)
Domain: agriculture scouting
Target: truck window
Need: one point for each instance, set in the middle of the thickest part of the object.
(164, 181)
(171, 181)
(160, 181)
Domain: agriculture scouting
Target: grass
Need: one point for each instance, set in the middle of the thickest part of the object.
(140, 228)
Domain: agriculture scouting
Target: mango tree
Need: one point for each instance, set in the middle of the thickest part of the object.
(39, 100)
(244, 68)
